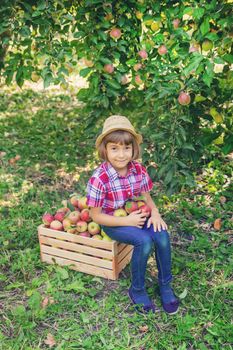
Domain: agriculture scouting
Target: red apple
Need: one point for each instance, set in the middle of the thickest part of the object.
(85, 234)
(184, 98)
(81, 226)
(63, 210)
(47, 218)
(137, 66)
(85, 215)
(119, 212)
(176, 23)
(59, 216)
(74, 201)
(143, 54)
(162, 50)
(56, 225)
(108, 68)
(131, 206)
(138, 80)
(74, 216)
(145, 209)
(93, 228)
(82, 203)
(115, 33)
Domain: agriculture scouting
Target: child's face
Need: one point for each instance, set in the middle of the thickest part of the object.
(119, 155)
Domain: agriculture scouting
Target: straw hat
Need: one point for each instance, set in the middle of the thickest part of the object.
(114, 123)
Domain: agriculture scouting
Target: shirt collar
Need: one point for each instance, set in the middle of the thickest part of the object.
(113, 174)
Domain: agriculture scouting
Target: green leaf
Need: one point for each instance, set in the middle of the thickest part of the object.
(205, 26)
(85, 71)
(113, 84)
(198, 12)
(228, 58)
(194, 63)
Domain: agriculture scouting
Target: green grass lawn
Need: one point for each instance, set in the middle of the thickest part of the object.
(46, 306)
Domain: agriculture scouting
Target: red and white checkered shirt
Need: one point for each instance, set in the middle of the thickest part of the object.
(109, 190)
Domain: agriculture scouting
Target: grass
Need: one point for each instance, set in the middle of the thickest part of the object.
(46, 306)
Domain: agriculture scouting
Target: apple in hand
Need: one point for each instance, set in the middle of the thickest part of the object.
(93, 228)
(119, 212)
(145, 209)
(131, 206)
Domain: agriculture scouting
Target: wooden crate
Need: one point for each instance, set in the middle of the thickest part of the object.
(88, 255)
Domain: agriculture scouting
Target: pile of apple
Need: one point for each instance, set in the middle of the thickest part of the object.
(74, 217)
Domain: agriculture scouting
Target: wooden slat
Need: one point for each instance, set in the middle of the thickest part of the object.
(56, 243)
(74, 265)
(125, 252)
(44, 231)
(76, 257)
(124, 262)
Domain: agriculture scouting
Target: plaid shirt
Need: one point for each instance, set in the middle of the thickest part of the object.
(109, 190)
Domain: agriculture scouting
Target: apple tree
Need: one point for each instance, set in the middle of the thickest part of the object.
(165, 64)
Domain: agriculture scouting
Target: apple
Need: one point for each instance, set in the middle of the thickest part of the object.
(108, 17)
(207, 45)
(66, 224)
(35, 77)
(63, 210)
(74, 216)
(119, 212)
(162, 50)
(59, 216)
(139, 14)
(140, 204)
(97, 237)
(137, 66)
(56, 225)
(138, 80)
(145, 209)
(115, 33)
(93, 228)
(47, 218)
(184, 98)
(82, 203)
(85, 215)
(72, 230)
(74, 201)
(143, 54)
(131, 206)
(176, 23)
(155, 26)
(85, 234)
(81, 226)
(108, 68)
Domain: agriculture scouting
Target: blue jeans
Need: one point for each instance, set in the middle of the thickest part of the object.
(144, 240)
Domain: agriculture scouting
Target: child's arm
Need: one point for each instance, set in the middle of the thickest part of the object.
(155, 218)
(134, 219)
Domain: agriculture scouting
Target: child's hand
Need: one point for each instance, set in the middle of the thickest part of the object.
(157, 222)
(136, 218)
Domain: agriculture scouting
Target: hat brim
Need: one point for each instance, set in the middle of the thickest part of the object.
(99, 139)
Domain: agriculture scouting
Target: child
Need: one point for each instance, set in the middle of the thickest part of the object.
(119, 178)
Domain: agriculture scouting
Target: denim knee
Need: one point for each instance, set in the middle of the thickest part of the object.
(162, 239)
(146, 242)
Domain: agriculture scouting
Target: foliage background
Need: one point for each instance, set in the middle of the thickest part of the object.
(47, 153)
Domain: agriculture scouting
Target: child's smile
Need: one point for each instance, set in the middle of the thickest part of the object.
(119, 156)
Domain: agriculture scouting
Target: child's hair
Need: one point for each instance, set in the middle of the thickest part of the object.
(122, 137)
